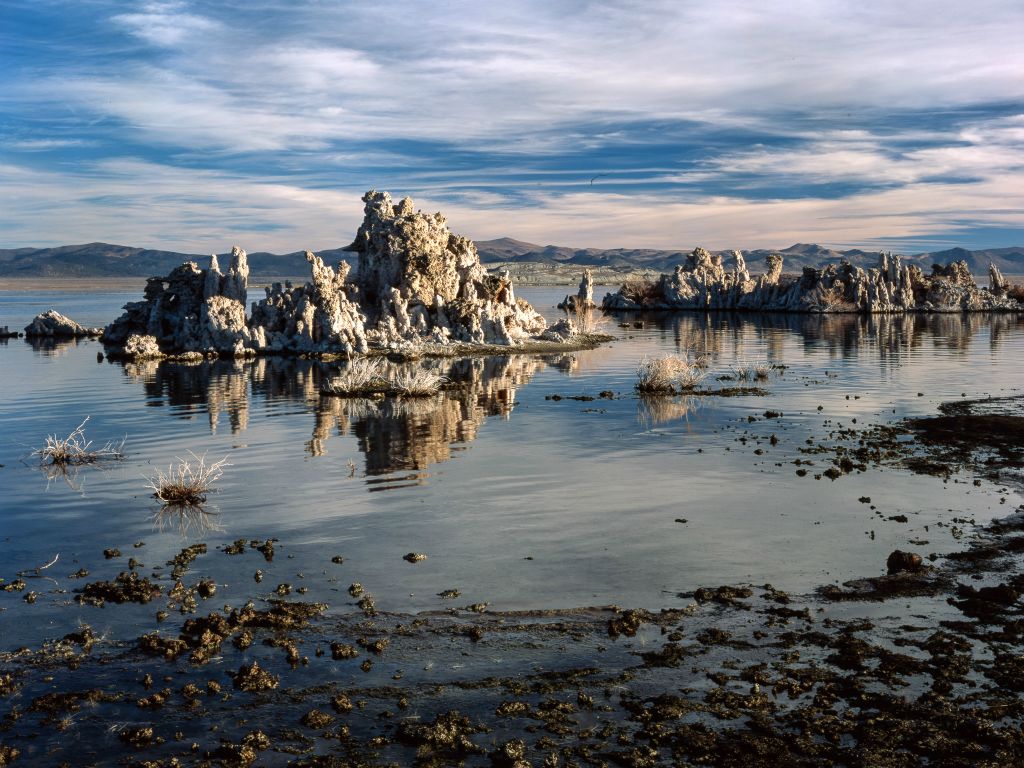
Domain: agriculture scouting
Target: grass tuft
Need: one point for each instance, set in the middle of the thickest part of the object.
(668, 375)
(360, 377)
(75, 450)
(364, 378)
(419, 383)
(188, 483)
(758, 370)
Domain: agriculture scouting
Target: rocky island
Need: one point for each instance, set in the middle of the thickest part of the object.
(704, 282)
(418, 289)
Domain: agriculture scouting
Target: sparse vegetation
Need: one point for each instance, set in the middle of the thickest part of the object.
(1016, 292)
(363, 378)
(642, 291)
(75, 450)
(831, 299)
(188, 483)
(421, 382)
(669, 375)
(757, 370)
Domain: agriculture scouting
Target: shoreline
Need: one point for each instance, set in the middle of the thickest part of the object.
(919, 666)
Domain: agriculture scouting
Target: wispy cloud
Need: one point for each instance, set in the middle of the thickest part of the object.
(729, 123)
(166, 24)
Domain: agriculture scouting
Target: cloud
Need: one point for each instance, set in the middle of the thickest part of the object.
(728, 123)
(483, 75)
(199, 211)
(43, 145)
(166, 24)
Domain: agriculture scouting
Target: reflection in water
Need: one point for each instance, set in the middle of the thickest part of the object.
(48, 346)
(69, 473)
(409, 435)
(395, 434)
(652, 410)
(186, 519)
(845, 335)
(412, 434)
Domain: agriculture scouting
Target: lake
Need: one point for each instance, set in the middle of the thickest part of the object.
(519, 500)
(539, 488)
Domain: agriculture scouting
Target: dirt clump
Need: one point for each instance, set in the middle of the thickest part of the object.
(127, 587)
(446, 737)
(626, 623)
(252, 678)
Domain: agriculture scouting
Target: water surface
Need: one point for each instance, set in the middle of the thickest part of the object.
(518, 499)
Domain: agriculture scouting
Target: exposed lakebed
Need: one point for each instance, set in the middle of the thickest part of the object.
(537, 500)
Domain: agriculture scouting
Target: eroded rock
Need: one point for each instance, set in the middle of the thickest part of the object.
(584, 298)
(418, 285)
(704, 282)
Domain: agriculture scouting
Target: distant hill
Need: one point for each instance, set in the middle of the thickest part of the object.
(98, 260)
(796, 257)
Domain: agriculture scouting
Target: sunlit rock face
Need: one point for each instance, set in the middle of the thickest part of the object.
(320, 316)
(704, 282)
(191, 309)
(417, 284)
(418, 280)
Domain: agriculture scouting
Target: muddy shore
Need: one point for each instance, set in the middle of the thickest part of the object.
(234, 653)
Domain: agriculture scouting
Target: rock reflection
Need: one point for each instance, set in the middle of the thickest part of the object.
(411, 434)
(395, 434)
(49, 346)
(844, 335)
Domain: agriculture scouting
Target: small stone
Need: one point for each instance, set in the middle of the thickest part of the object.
(904, 562)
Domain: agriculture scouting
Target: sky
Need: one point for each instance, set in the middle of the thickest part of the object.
(193, 126)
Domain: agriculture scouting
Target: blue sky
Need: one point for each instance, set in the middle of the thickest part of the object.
(724, 123)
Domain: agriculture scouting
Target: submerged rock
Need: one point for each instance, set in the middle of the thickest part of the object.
(417, 285)
(704, 282)
(53, 323)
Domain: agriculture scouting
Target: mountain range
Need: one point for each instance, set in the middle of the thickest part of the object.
(796, 257)
(98, 260)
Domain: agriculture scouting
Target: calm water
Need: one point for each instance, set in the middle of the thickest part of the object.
(518, 500)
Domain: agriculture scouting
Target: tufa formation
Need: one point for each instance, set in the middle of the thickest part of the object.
(418, 289)
(703, 282)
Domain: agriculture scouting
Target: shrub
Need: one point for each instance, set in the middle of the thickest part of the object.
(642, 291)
(360, 377)
(74, 449)
(419, 383)
(666, 375)
(363, 378)
(188, 483)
